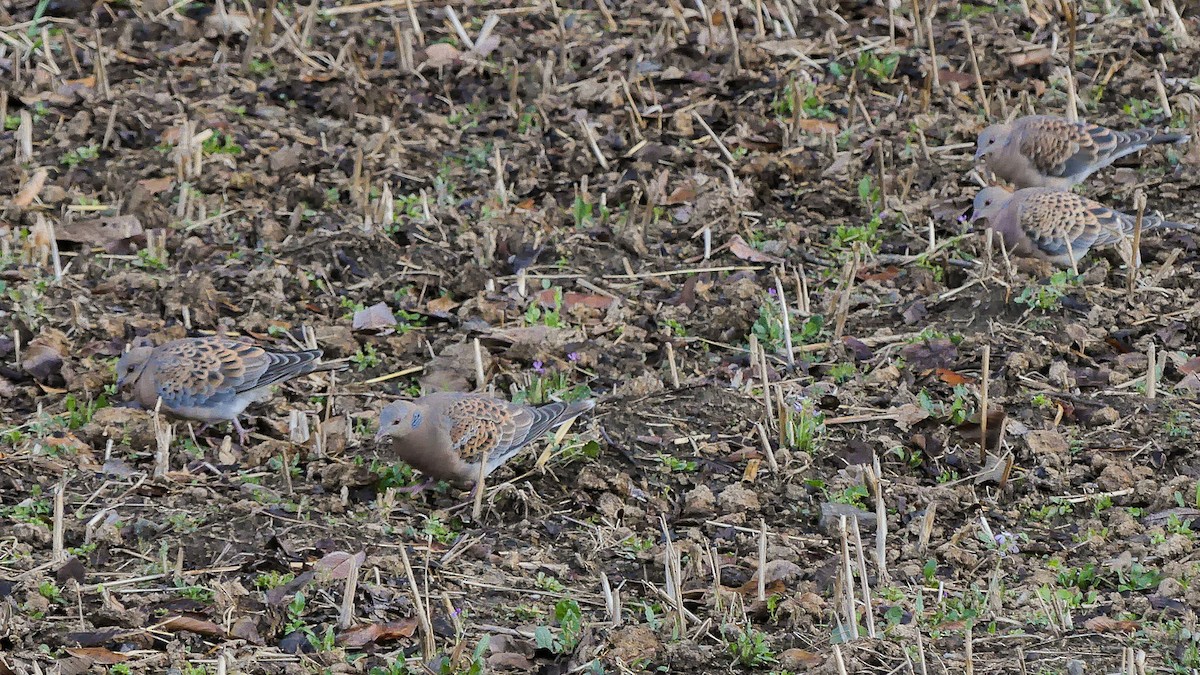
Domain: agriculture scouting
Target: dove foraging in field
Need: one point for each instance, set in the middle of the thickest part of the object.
(1058, 226)
(1045, 151)
(210, 379)
(444, 435)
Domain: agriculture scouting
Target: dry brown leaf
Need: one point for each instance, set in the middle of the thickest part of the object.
(100, 655)
(741, 249)
(890, 272)
(371, 633)
(907, 415)
(1188, 367)
(440, 306)
(1031, 56)
(441, 54)
(337, 565)
(176, 624)
(226, 24)
(31, 188)
(105, 232)
(376, 317)
(1046, 442)
(681, 195)
(156, 185)
(547, 298)
(963, 80)
(952, 378)
(799, 658)
(1103, 624)
(817, 127)
(775, 572)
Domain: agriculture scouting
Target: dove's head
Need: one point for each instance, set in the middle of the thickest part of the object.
(398, 419)
(988, 203)
(131, 364)
(990, 140)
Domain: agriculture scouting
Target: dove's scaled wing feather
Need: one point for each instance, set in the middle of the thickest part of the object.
(1052, 218)
(212, 379)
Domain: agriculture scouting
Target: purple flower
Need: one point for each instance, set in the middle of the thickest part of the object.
(962, 218)
(771, 292)
(573, 357)
(537, 367)
(1007, 543)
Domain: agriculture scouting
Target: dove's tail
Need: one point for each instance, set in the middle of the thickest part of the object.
(572, 411)
(1168, 138)
(1172, 225)
(339, 364)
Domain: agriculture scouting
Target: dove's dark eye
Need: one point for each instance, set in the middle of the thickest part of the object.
(416, 420)
(991, 141)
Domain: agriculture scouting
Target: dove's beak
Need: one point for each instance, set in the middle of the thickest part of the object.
(380, 435)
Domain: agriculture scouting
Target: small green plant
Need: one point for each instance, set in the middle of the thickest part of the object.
(845, 236)
(295, 612)
(120, 669)
(406, 321)
(79, 415)
(221, 144)
(1180, 425)
(675, 464)
(261, 67)
(1138, 578)
(811, 105)
(365, 358)
(855, 495)
(265, 581)
(1141, 110)
(34, 510)
(527, 121)
(439, 531)
(804, 426)
(869, 194)
(197, 593)
(146, 259)
(50, 591)
(958, 411)
(11, 122)
(677, 329)
(325, 642)
(581, 210)
(80, 155)
(876, 68)
(182, 522)
(750, 648)
(1048, 295)
(1056, 508)
(841, 372)
(768, 327)
(633, 545)
(551, 318)
(548, 583)
(569, 618)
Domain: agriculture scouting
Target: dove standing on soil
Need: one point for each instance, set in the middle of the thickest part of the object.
(1055, 225)
(1045, 151)
(210, 379)
(444, 435)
